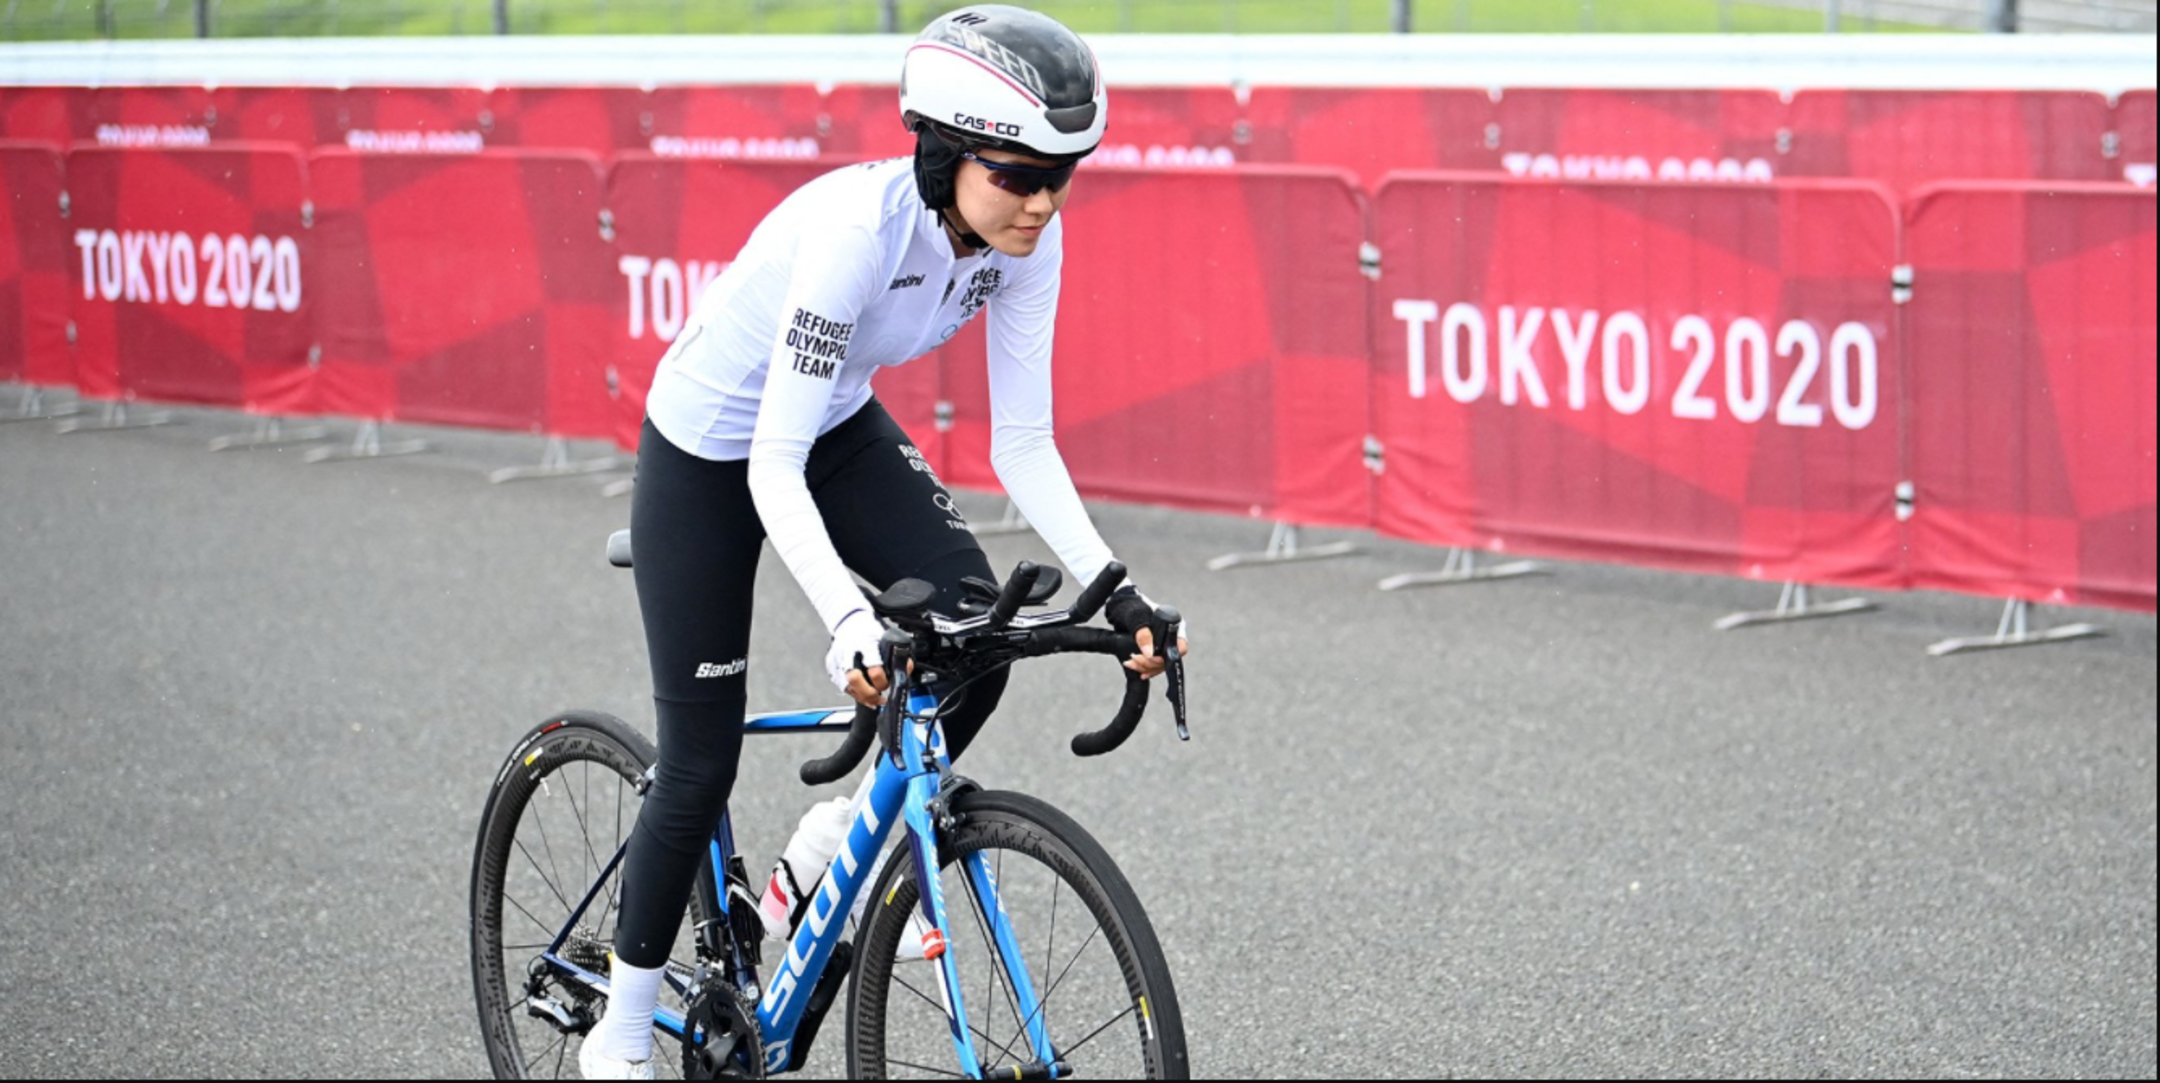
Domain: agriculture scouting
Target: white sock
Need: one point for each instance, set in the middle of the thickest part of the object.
(625, 1031)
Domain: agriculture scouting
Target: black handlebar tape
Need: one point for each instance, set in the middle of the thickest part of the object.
(841, 764)
(1092, 599)
(1080, 641)
(1016, 592)
(1128, 719)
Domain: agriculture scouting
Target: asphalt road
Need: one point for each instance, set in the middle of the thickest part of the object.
(1557, 826)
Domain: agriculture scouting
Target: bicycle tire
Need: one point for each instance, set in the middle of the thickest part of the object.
(621, 756)
(1013, 823)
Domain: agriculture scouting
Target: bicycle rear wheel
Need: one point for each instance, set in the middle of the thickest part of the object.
(1105, 992)
(561, 807)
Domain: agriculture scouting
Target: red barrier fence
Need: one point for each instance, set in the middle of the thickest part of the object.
(2134, 129)
(469, 290)
(1370, 131)
(1216, 364)
(33, 267)
(52, 115)
(1710, 377)
(1693, 377)
(191, 275)
(1905, 138)
(1667, 135)
(2032, 428)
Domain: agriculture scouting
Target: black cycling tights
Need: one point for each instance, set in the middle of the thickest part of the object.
(696, 536)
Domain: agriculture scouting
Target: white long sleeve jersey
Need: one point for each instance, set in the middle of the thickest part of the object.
(849, 274)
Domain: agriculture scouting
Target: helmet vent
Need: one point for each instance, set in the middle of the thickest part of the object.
(969, 18)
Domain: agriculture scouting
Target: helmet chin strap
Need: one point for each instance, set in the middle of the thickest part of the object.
(968, 237)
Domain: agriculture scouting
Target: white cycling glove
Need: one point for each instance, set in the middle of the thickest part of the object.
(858, 633)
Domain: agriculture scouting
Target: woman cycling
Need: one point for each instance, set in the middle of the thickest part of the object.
(761, 424)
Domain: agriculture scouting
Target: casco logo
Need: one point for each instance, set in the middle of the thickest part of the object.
(980, 125)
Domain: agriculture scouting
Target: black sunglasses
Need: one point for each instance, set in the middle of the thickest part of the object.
(1024, 180)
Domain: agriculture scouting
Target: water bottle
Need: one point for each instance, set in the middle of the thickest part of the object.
(801, 865)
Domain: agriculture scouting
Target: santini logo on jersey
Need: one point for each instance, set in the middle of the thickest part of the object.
(905, 282)
(715, 669)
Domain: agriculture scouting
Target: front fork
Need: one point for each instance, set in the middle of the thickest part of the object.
(926, 811)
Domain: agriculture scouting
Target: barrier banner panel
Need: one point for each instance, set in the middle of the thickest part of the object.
(152, 116)
(678, 223)
(415, 120)
(598, 120)
(307, 117)
(864, 122)
(1172, 127)
(1696, 377)
(58, 115)
(33, 267)
(191, 275)
(2135, 136)
(196, 116)
(1640, 135)
(2032, 431)
(466, 289)
(1213, 358)
(1906, 138)
(794, 122)
(1371, 131)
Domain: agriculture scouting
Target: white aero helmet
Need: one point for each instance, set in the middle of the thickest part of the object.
(998, 76)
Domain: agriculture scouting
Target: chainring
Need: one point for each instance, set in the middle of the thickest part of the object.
(732, 1038)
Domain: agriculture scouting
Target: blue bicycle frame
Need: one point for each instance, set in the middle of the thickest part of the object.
(888, 795)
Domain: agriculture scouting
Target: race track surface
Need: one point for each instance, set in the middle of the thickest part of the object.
(1555, 826)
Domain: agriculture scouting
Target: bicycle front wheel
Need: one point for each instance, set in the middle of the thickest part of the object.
(1091, 957)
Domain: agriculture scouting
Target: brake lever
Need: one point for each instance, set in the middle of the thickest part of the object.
(893, 649)
(1165, 628)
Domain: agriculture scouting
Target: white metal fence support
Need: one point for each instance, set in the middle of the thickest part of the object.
(1283, 547)
(32, 407)
(367, 444)
(113, 417)
(271, 432)
(2015, 630)
(1462, 567)
(1797, 602)
(1012, 522)
(555, 462)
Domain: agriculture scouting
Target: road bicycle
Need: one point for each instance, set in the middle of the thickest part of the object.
(1036, 958)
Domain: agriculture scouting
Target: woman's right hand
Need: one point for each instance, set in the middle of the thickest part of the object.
(854, 650)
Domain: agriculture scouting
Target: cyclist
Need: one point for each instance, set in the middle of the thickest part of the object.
(761, 424)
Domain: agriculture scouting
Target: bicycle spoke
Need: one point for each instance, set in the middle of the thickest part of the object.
(528, 916)
(1057, 884)
(1043, 1004)
(562, 1040)
(920, 995)
(543, 875)
(540, 821)
(925, 1068)
(1075, 1047)
(997, 956)
(585, 835)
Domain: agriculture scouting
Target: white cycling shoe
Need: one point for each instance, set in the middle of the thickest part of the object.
(593, 1064)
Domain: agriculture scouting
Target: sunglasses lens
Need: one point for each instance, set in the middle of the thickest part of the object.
(1028, 183)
